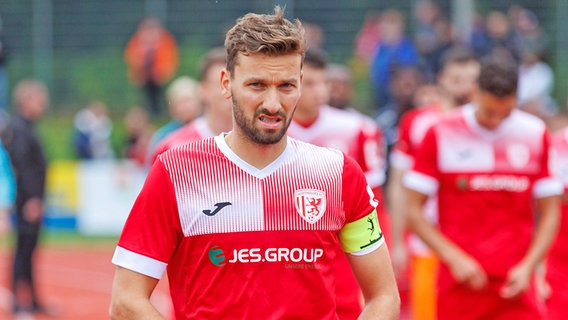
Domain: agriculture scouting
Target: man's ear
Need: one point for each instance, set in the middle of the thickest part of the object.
(225, 82)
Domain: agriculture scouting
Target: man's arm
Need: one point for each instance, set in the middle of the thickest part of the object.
(519, 276)
(464, 268)
(396, 198)
(376, 279)
(131, 293)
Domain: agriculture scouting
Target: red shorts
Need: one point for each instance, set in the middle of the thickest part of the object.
(457, 301)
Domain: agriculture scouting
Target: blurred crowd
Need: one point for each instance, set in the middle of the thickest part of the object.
(412, 63)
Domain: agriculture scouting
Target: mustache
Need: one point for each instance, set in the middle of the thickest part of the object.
(264, 111)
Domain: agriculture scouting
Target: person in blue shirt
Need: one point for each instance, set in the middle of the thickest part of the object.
(394, 49)
(7, 190)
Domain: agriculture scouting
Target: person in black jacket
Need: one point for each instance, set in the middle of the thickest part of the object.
(30, 165)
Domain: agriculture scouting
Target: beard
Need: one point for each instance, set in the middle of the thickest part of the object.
(259, 136)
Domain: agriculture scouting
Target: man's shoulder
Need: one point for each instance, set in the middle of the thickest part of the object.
(305, 149)
(527, 121)
(189, 150)
(350, 119)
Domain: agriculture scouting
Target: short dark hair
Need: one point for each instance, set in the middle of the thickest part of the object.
(217, 55)
(316, 58)
(458, 54)
(499, 75)
(268, 34)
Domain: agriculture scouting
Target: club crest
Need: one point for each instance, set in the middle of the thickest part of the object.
(310, 204)
(518, 155)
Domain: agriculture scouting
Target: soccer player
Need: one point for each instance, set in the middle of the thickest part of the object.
(456, 83)
(184, 106)
(246, 223)
(488, 164)
(354, 134)
(216, 117)
(557, 260)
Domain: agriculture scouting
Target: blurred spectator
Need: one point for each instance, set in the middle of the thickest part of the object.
(426, 13)
(405, 80)
(498, 37)
(368, 37)
(340, 83)
(184, 106)
(444, 32)
(394, 49)
(30, 166)
(4, 91)
(7, 190)
(478, 32)
(527, 32)
(138, 132)
(536, 83)
(315, 37)
(151, 56)
(92, 130)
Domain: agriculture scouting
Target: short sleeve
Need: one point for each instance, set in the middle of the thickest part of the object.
(152, 231)
(361, 233)
(425, 172)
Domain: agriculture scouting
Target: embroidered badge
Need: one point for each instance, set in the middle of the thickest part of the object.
(310, 204)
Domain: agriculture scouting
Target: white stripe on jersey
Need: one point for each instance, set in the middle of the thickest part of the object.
(207, 175)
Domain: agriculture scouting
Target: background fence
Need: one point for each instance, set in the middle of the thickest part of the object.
(76, 46)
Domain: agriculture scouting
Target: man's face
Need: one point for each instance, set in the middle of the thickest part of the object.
(492, 110)
(35, 103)
(315, 92)
(459, 81)
(265, 91)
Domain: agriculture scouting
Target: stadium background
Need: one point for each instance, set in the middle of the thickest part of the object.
(76, 47)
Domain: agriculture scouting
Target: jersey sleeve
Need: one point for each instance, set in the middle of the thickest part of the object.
(546, 184)
(362, 233)
(424, 176)
(152, 230)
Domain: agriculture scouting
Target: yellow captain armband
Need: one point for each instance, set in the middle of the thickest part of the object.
(362, 236)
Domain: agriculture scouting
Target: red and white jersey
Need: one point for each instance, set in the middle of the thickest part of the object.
(361, 138)
(557, 261)
(411, 131)
(486, 181)
(245, 243)
(193, 131)
(412, 128)
(355, 134)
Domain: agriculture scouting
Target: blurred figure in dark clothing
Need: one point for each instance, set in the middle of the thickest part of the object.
(30, 166)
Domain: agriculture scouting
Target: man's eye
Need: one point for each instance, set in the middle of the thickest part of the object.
(287, 86)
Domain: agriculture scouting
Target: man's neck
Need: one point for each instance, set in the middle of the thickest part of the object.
(217, 124)
(257, 155)
(306, 118)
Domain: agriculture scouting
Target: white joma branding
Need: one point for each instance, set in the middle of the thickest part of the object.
(276, 255)
(499, 183)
